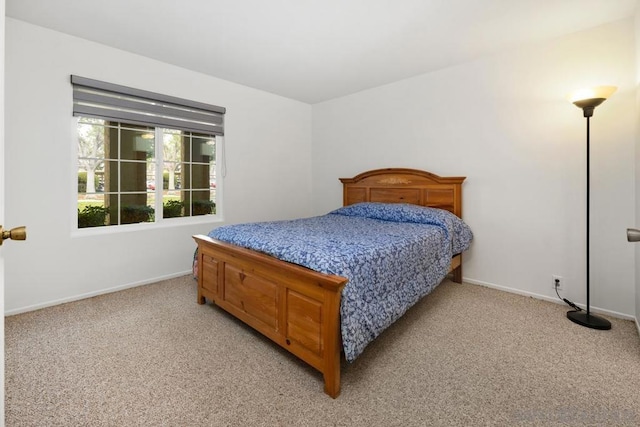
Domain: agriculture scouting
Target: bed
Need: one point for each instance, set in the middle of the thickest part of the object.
(310, 311)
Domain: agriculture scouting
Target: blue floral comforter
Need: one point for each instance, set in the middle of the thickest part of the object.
(392, 254)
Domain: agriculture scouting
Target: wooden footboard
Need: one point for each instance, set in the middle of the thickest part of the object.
(295, 307)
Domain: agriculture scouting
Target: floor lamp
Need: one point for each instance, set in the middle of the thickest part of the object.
(588, 100)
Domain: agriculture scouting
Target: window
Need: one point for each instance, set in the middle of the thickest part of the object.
(131, 167)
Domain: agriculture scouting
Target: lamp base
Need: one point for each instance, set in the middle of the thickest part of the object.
(589, 320)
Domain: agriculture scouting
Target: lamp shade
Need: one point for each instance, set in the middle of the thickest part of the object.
(589, 98)
(601, 92)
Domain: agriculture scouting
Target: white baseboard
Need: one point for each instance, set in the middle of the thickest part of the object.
(550, 299)
(94, 294)
(184, 273)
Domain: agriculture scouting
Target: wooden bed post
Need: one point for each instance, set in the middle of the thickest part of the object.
(457, 274)
(331, 370)
(200, 265)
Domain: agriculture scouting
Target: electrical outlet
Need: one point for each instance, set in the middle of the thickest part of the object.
(557, 282)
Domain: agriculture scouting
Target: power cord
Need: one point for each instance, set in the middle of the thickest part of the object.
(569, 303)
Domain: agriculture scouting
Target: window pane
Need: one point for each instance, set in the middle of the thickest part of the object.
(200, 178)
(91, 210)
(134, 209)
(137, 144)
(91, 138)
(172, 177)
(173, 204)
(109, 177)
(172, 156)
(202, 204)
(90, 178)
(133, 176)
(185, 176)
(91, 135)
(203, 149)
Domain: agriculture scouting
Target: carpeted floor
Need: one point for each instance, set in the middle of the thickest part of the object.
(464, 356)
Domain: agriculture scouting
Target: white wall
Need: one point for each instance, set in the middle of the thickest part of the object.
(504, 122)
(268, 145)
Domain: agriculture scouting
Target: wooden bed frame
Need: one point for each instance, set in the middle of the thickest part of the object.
(298, 308)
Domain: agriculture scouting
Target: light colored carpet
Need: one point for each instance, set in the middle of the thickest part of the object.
(465, 355)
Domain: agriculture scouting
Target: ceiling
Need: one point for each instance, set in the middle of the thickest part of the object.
(315, 50)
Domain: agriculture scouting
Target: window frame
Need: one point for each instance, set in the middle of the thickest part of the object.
(158, 222)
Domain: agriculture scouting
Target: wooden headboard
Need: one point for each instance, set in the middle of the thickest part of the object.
(398, 185)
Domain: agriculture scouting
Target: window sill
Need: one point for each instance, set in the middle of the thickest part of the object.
(145, 226)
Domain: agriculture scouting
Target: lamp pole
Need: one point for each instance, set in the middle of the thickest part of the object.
(588, 206)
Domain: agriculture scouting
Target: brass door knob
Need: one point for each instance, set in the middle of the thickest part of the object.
(17, 233)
